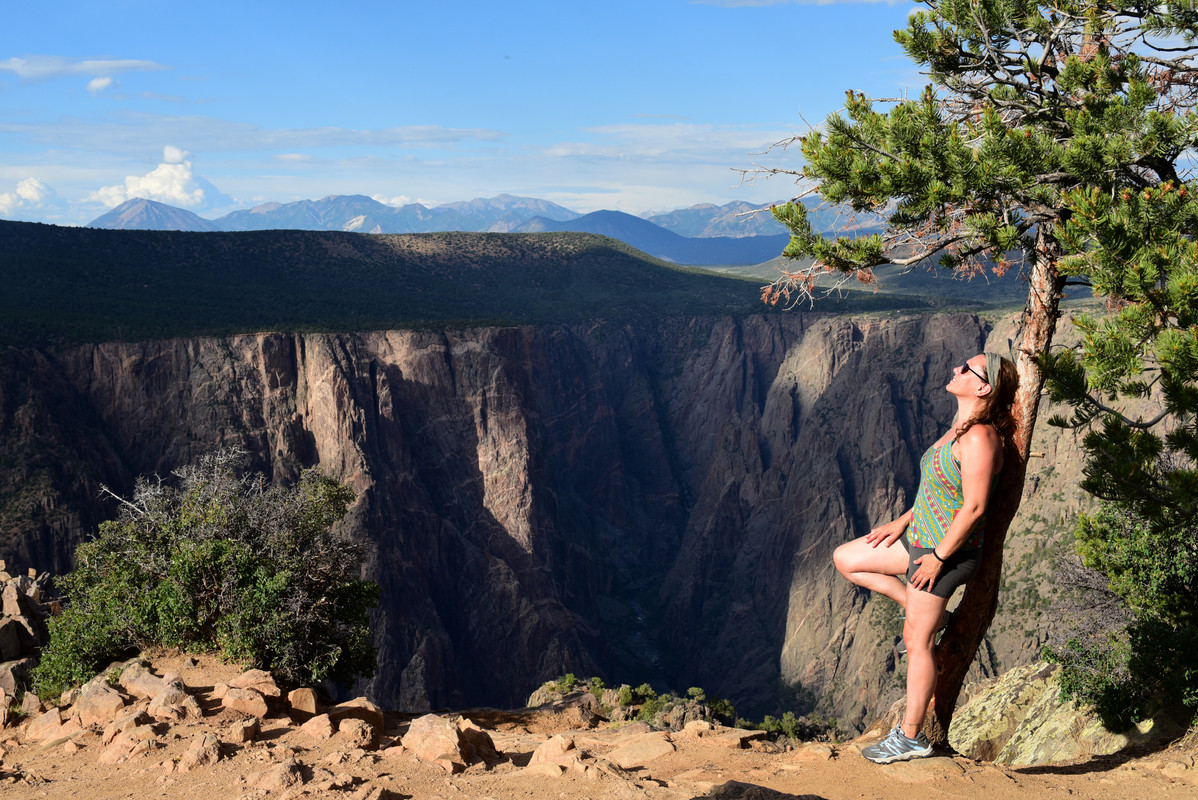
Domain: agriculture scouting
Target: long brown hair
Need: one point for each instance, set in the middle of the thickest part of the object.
(994, 409)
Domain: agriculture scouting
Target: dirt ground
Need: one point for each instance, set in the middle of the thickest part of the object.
(706, 764)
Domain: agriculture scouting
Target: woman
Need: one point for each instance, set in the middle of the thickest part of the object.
(937, 542)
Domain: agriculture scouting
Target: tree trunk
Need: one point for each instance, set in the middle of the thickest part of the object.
(960, 642)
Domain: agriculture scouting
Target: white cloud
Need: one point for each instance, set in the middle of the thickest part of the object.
(171, 182)
(402, 200)
(98, 85)
(41, 68)
(30, 193)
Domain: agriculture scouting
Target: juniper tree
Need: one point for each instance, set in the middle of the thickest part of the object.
(1040, 124)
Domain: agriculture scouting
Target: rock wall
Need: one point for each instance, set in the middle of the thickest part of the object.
(642, 503)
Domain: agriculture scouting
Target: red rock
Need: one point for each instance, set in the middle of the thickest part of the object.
(259, 680)
(99, 704)
(244, 731)
(640, 750)
(44, 727)
(319, 727)
(139, 681)
(282, 776)
(125, 722)
(247, 701)
(452, 745)
(204, 751)
(303, 703)
(357, 733)
(359, 708)
(173, 704)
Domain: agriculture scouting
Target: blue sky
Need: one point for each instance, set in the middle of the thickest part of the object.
(636, 106)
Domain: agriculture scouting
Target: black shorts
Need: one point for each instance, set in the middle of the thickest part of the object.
(958, 568)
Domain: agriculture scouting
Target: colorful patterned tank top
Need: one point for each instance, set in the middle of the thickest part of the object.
(939, 498)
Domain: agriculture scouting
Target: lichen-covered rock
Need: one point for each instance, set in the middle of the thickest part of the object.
(1020, 720)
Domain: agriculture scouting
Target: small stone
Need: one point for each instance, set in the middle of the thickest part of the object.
(698, 727)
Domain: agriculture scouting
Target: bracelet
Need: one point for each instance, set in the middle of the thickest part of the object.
(938, 558)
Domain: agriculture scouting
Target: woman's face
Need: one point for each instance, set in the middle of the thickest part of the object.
(967, 378)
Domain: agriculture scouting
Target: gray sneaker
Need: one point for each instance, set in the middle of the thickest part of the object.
(898, 747)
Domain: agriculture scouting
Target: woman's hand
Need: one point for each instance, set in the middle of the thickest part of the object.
(889, 533)
(929, 570)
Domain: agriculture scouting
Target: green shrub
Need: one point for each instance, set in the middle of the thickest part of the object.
(218, 562)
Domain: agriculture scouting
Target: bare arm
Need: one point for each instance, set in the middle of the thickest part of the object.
(890, 532)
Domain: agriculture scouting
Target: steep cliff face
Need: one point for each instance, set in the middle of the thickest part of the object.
(642, 503)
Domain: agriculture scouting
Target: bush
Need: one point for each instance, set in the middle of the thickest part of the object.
(218, 562)
(1126, 649)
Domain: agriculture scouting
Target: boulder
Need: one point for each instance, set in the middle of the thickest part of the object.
(1019, 720)
(31, 705)
(359, 708)
(247, 701)
(15, 674)
(123, 723)
(302, 703)
(438, 740)
(3, 708)
(357, 734)
(319, 727)
(280, 777)
(204, 751)
(16, 641)
(243, 731)
(12, 602)
(173, 704)
(98, 704)
(259, 680)
(138, 681)
(640, 750)
(44, 727)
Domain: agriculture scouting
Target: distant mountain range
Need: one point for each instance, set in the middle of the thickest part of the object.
(702, 235)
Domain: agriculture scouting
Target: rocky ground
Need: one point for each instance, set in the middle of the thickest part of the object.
(193, 727)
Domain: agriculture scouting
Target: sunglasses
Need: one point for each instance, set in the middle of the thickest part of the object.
(966, 366)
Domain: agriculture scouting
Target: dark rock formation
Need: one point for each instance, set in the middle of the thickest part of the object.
(640, 503)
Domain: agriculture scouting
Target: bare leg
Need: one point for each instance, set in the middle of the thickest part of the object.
(874, 568)
(925, 611)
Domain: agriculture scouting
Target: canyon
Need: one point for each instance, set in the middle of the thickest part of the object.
(643, 501)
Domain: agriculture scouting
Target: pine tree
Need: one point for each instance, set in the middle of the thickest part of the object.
(1045, 130)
